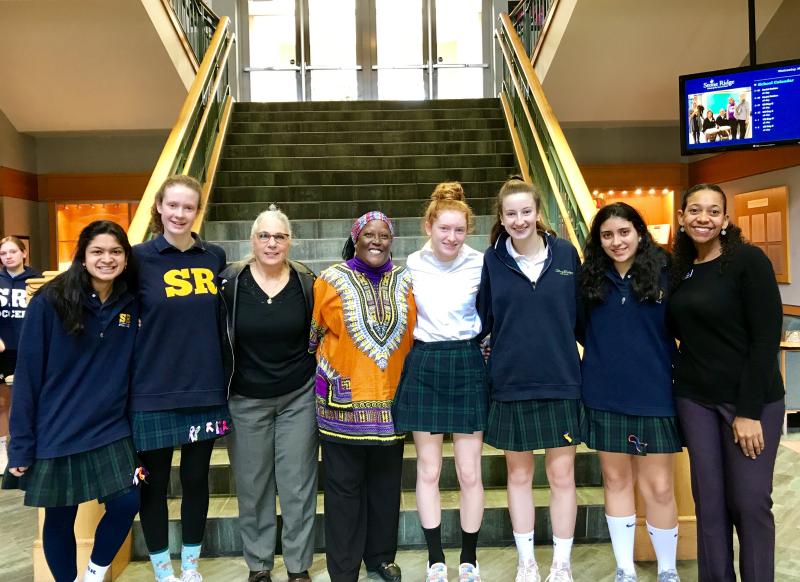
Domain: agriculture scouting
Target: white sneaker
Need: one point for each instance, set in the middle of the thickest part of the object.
(469, 573)
(170, 579)
(559, 572)
(436, 573)
(528, 571)
(623, 576)
(668, 576)
(191, 576)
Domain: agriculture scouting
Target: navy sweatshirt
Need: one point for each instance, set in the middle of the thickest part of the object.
(13, 303)
(71, 391)
(628, 351)
(178, 356)
(534, 355)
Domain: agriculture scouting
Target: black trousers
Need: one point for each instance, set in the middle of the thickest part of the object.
(731, 491)
(362, 506)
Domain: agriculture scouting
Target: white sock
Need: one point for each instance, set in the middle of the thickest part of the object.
(524, 543)
(94, 573)
(623, 532)
(562, 548)
(665, 544)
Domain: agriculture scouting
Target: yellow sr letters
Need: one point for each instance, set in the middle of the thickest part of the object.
(183, 282)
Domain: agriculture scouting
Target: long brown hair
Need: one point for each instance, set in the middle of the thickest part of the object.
(516, 185)
(156, 225)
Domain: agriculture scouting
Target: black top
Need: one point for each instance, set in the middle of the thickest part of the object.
(729, 324)
(271, 350)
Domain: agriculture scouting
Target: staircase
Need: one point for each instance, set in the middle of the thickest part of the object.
(222, 530)
(324, 164)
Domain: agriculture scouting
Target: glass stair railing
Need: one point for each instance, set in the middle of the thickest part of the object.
(195, 142)
(541, 149)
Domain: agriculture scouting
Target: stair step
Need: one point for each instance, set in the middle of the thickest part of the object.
(420, 148)
(367, 136)
(297, 163)
(389, 125)
(342, 177)
(222, 528)
(326, 228)
(331, 248)
(335, 209)
(366, 105)
(325, 192)
(370, 114)
(493, 470)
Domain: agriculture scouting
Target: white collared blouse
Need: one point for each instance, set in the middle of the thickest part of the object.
(445, 294)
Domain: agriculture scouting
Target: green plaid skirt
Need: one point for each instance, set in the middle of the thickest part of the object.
(443, 389)
(612, 432)
(528, 425)
(103, 473)
(182, 426)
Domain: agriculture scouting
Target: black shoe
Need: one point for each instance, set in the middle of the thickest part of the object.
(388, 571)
(299, 576)
(260, 576)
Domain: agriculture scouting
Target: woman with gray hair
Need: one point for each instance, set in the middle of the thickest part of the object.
(268, 300)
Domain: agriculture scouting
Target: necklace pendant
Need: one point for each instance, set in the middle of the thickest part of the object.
(269, 300)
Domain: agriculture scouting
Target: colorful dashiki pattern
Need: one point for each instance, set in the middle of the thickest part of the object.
(361, 334)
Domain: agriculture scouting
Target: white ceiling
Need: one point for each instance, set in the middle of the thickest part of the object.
(88, 65)
(617, 62)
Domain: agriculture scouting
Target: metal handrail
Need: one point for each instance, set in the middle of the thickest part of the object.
(568, 206)
(530, 18)
(198, 22)
(194, 144)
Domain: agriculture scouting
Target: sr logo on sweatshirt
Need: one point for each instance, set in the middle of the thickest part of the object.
(183, 282)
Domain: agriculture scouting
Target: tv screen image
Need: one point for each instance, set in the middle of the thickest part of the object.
(740, 108)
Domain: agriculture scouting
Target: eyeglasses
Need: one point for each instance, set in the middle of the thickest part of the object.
(280, 237)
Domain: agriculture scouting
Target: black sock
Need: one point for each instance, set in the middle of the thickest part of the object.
(469, 544)
(433, 537)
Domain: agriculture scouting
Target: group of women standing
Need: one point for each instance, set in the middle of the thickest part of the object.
(482, 346)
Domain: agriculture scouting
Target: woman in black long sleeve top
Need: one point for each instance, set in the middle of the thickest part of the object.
(726, 310)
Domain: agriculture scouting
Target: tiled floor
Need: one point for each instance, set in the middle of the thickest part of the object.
(591, 563)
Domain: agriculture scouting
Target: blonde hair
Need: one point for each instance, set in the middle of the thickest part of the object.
(448, 196)
(178, 179)
(516, 185)
(272, 212)
(16, 240)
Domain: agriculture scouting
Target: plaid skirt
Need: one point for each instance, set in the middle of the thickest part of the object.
(528, 425)
(103, 473)
(182, 426)
(443, 389)
(613, 432)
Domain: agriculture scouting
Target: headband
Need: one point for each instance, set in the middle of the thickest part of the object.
(362, 221)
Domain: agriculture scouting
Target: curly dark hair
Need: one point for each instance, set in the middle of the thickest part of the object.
(645, 271)
(683, 250)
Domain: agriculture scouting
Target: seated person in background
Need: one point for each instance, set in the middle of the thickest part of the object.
(710, 129)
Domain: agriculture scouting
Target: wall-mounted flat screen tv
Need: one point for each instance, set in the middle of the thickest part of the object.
(744, 108)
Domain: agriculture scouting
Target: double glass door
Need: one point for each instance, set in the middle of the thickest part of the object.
(367, 49)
